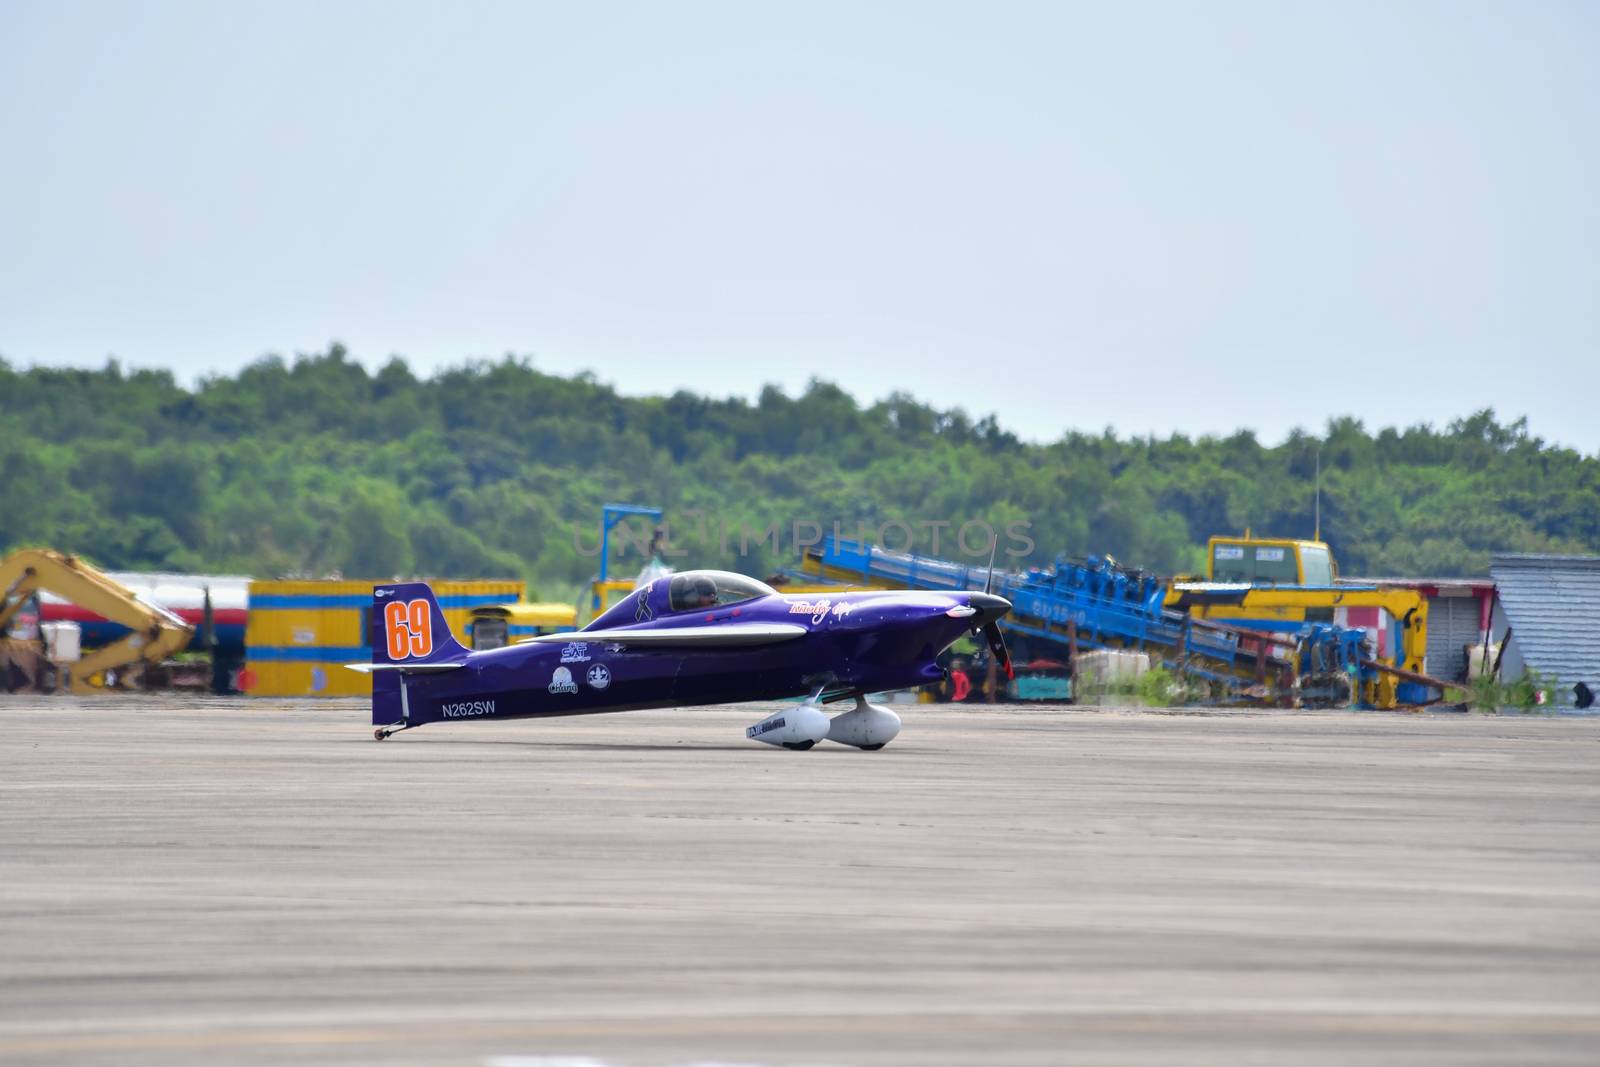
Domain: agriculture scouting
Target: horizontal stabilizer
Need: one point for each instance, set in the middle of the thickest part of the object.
(404, 668)
(726, 635)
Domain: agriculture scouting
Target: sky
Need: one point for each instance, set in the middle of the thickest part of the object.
(1155, 217)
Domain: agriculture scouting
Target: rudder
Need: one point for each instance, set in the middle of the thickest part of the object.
(407, 629)
(408, 626)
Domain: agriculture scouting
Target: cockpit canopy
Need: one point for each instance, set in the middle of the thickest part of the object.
(689, 591)
(698, 590)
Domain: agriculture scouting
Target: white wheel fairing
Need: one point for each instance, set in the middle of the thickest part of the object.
(867, 726)
(801, 724)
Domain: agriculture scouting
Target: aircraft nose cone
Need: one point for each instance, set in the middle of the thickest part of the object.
(990, 607)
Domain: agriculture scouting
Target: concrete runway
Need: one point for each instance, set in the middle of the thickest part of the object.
(212, 882)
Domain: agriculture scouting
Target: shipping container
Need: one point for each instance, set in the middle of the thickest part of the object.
(302, 633)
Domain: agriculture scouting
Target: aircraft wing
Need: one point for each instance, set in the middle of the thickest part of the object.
(406, 668)
(726, 635)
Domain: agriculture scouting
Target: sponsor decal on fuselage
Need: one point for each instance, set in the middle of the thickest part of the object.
(817, 609)
(599, 677)
(820, 609)
(561, 682)
(765, 727)
(466, 708)
(575, 652)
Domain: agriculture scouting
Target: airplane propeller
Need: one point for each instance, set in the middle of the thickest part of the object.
(997, 646)
(991, 629)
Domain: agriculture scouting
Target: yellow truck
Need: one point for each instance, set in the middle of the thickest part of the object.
(1270, 561)
(499, 625)
(1277, 584)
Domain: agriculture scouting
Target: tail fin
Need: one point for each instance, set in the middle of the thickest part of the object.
(408, 634)
(409, 629)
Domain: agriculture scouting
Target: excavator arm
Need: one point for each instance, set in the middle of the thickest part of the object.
(157, 632)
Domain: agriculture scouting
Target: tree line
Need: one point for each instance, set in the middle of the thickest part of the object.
(317, 466)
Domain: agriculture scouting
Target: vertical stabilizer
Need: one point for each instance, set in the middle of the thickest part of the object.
(408, 626)
(407, 630)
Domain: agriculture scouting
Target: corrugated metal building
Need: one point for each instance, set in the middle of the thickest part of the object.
(1551, 606)
(1458, 609)
(1456, 616)
(302, 633)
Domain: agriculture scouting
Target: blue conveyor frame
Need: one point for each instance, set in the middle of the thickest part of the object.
(1110, 606)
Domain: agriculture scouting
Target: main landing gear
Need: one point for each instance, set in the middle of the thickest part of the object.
(800, 727)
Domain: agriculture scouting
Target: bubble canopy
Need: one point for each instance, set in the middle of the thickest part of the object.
(688, 591)
(698, 590)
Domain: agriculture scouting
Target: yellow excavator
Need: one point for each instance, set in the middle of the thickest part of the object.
(156, 632)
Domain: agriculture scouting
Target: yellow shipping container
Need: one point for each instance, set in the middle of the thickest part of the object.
(300, 634)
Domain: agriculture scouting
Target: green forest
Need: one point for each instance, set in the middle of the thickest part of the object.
(317, 466)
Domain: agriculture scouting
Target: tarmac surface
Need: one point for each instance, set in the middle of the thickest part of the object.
(204, 882)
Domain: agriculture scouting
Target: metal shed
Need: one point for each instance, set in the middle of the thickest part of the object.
(1551, 605)
(1458, 611)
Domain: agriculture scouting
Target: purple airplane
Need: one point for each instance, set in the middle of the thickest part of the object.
(700, 637)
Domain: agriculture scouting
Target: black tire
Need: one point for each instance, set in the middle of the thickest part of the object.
(798, 746)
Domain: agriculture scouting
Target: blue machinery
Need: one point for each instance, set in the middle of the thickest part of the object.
(1098, 604)
(610, 515)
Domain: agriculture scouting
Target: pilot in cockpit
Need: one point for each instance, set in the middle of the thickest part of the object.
(693, 592)
(704, 594)
(699, 590)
